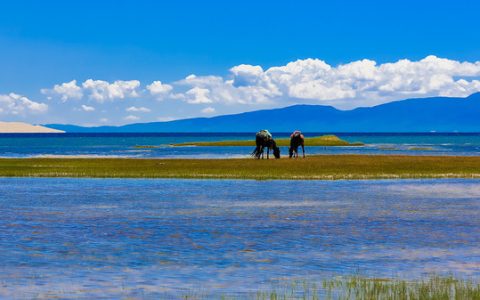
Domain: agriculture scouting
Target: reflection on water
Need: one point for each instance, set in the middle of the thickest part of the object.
(124, 144)
(93, 237)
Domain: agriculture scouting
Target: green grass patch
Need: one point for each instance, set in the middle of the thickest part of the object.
(387, 148)
(377, 288)
(144, 147)
(357, 287)
(420, 149)
(327, 167)
(324, 140)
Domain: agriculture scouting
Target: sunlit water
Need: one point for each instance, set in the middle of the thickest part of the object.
(112, 238)
(124, 145)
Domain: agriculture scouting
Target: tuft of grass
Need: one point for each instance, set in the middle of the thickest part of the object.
(387, 148)
(344, 288)
(144, 147)
(420, 148)
(356, 287)
(324, 140)
(324, 167)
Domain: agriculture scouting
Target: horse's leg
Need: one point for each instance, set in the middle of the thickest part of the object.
(268, 152)
(303, 149)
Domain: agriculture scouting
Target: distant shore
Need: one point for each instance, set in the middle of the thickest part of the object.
(324, 140)
(19, 127)
(320, 167)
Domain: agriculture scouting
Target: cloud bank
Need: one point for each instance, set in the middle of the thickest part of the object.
(358, 83)
(14, 104)
(249, 87)
(98, 90)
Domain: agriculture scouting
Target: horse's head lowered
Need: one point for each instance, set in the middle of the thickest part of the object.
(276, 150)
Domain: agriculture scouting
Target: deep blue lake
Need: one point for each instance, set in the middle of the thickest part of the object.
(114, 238)
(123, 144)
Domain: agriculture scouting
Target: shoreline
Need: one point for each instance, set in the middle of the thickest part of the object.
(319, 167)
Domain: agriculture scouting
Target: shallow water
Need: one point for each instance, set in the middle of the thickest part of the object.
(111, 238)
(123, 145)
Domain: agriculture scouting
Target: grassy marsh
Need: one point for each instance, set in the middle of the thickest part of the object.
(374, 288)
(357, 287)
(324, 140)
(329, 167)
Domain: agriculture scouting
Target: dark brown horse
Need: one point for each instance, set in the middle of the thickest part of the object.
(296, 140)
(263, 142)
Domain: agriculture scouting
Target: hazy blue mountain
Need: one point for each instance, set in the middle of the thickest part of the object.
(440, 114)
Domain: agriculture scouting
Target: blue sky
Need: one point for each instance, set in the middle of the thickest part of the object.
(123, 47)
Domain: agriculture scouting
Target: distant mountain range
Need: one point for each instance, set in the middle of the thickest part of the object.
(441, 114)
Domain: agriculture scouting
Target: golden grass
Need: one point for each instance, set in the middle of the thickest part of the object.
(324, 140)
(329, 167)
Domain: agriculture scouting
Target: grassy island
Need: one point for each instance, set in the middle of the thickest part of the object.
(328, 167)
(324, 140)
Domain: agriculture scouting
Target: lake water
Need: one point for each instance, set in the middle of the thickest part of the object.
(113, 238)
(123, 145)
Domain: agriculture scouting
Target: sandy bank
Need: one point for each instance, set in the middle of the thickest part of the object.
(19, 127)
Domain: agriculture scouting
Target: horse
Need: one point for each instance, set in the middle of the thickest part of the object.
(296, 139)
(263, 142)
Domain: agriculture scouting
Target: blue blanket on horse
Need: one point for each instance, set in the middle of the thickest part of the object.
(265, 134)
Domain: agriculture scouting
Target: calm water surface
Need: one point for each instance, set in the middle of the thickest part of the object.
(123, 145)
(112, 238)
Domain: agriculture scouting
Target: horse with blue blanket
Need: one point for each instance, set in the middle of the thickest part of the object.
(264, 139)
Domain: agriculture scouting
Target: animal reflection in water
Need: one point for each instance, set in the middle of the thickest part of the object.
(296, 140)
(264, 139)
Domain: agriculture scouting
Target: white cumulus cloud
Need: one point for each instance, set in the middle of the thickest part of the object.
(131, 118)
(208, 110)
(246, 75)
(215, 89)
(198, 95)
(138, 109)
(87, 108)
(159, 89)
(101, 91)
(359, 83)
(98, 90)
(66, 91)
(15, 104)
